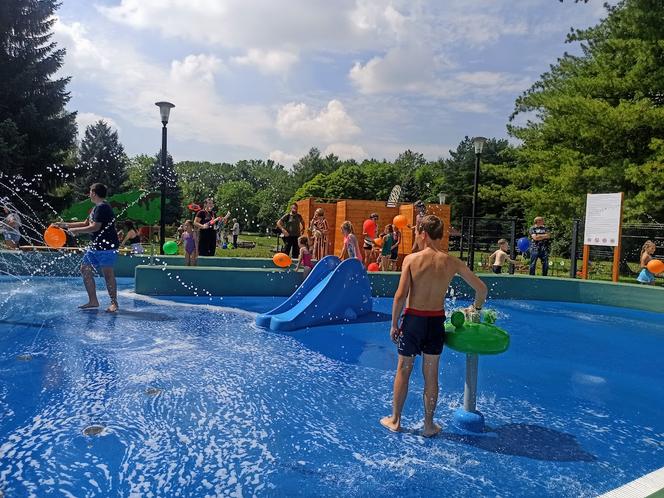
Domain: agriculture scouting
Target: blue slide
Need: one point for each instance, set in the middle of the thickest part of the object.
(334, 291)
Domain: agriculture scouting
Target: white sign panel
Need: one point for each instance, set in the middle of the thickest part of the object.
(602, 220)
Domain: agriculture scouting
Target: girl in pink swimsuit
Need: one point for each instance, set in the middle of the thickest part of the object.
(351, 245)
(305, 256)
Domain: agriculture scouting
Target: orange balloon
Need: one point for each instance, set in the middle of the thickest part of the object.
(373, 267)
(282, 260)
(655, 266)
(55, 237)
(400, 221)
(378, 241)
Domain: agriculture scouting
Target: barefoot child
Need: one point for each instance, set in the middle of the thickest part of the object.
(498, 258)
(351, 246)
(188, 239)
(305, 256)
(425, 277)
(103, 249)
(647, 250)
(386, 249)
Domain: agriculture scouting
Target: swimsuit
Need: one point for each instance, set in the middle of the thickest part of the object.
(352, 246)
(306, 259)
(189, 242)
(646, 276)
(497, 269)
(422, 332)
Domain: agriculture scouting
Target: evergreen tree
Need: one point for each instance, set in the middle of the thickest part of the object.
(174, 206)
(35, 129)
(102, 159)
(599, 118)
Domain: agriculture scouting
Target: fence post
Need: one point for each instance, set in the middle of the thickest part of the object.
(512, 244)
(461, 239)
(573, 248)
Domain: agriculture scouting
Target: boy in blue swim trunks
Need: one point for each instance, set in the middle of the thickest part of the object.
(103, 249)
(425, 278)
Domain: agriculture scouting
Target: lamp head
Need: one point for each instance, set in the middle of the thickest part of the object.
(164, 110)
(479, 142)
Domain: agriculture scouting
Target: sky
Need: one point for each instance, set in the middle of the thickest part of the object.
(269, 79)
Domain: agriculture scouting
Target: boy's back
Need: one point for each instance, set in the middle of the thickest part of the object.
(430, 272)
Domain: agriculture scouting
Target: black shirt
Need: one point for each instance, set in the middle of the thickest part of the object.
(106, 238)
(205, 217)
(539, 245)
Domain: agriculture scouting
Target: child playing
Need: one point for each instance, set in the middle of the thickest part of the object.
(646, 276)
(498, 258)
(305, 256)
(425, 277)
(351, 246)
(386, 250)
(188, 239)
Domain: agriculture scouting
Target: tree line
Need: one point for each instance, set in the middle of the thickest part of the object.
(593, 123)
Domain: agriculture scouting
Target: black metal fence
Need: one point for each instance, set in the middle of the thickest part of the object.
(566, 249)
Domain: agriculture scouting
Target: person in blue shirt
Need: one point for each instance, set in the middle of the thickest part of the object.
(103, 249)
(540, 241)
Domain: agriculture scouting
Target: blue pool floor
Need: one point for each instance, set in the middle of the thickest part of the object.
(197, 401)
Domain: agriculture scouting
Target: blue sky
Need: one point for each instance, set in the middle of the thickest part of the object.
(259, 79)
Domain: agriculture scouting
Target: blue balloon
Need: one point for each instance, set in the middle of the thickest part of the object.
(523, 244)
(225, 246)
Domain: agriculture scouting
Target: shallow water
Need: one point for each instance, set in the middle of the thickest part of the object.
(189, 400)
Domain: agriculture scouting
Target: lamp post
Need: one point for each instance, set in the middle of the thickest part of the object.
(164, 111)
(478, 143)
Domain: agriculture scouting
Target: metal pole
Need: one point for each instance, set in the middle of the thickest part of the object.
(463, 219)
(470, 387)
(512, 247)
(162, 219)
(471, 249)
(573, 248)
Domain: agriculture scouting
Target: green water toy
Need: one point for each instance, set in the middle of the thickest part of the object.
(170, 247)
(473, 338)
(476, 338)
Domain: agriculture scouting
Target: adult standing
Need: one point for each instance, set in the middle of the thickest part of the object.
(319, 229)
(235, 231)
(291, 225)
(103, 249)
(207, 236)
(539, 246)
(369, 233)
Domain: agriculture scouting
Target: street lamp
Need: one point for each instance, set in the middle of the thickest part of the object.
(478, 143)
(164, 111)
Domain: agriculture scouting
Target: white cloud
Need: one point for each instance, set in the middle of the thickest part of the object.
(85, 119)
(268, 61)
(196, 66)
(130, 86)
(346, 151)
(331, 124)
(281, 157)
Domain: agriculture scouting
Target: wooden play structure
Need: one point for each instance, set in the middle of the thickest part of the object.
(356, 211)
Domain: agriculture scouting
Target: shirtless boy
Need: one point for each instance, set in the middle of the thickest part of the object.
(498, 258)
(425, 278)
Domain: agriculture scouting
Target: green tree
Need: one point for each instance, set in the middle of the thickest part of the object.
(407, 164)
(174, 206)
(36, 131)
(458, 174)
(598, 116)
(238, 197)
(101, 159)
(312, 164)
(138, 171)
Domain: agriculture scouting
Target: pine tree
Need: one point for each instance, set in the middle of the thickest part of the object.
(173, 191)
(101, 159)
(36, 131)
